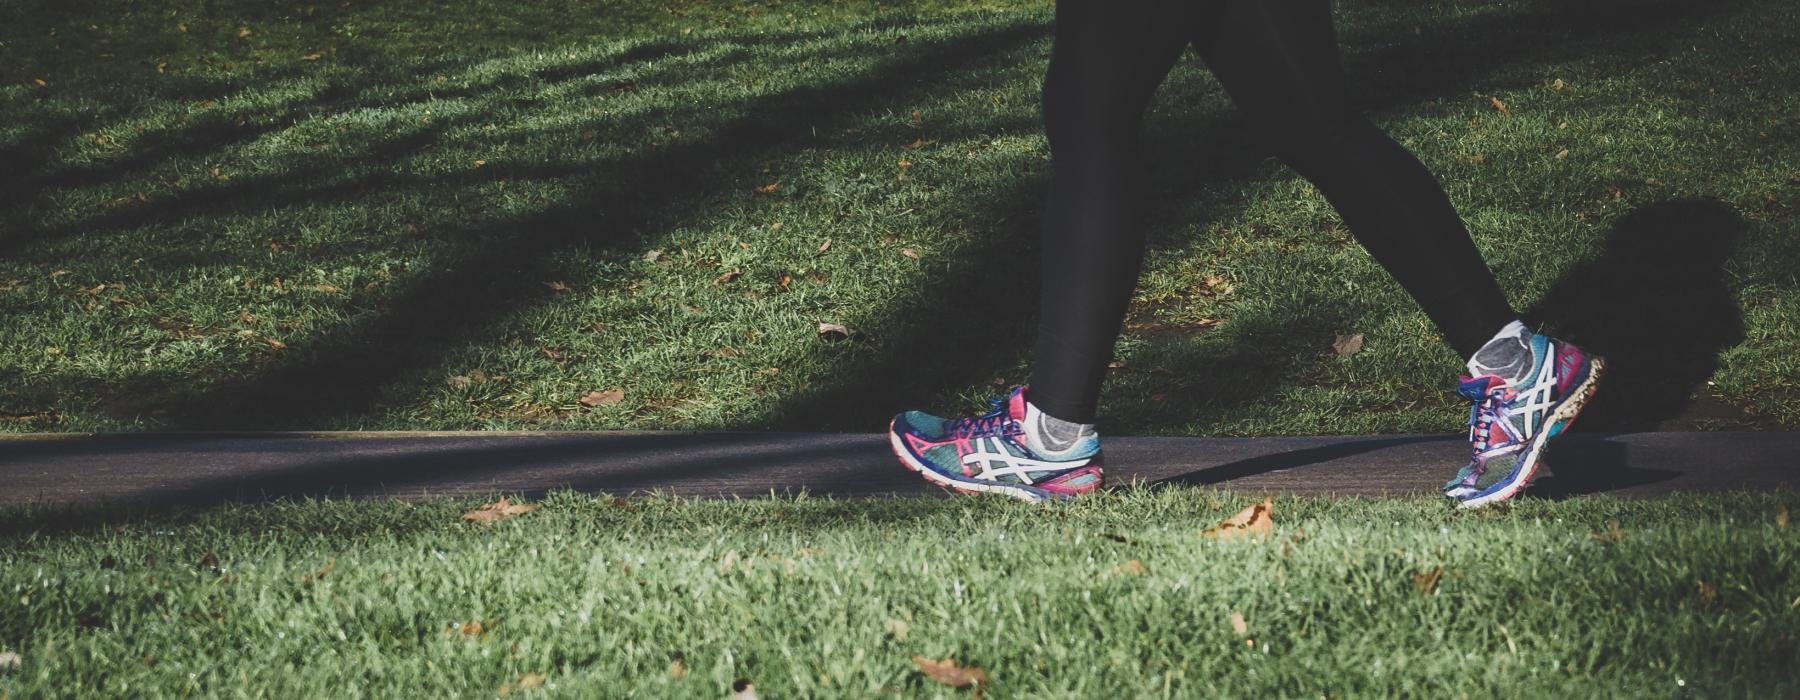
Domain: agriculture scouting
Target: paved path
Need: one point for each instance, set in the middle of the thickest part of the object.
(212, 468)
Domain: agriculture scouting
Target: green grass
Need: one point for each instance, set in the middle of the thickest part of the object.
(1691, 596)
(469, 215)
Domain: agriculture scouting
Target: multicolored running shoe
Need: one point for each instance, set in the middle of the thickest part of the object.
(1509, 426)
(990, 453)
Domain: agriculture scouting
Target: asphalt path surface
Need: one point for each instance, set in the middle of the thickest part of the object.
(250, 467)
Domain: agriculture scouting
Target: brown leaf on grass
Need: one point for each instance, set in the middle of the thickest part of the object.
(1345, 345)
(1238, 624)
(1708, 593)
(918, 144)
(531, 680)
(557, 286)
(244, 32)
(322, 572)
(834, 331)
(1564, 153)
(904, 164)
(498, 510)
(918, 119)
(1500, 106)
(314, 56)
(10, 660)
(275, 343)
(767, 189)
(786, 279)
(728, 276)
(677, 669)
(653, 255)
(950, 673)
(728, 561)
(472, 628)
(1217, 285)
(895, 628)
(908, 252)
(596, 399)
(1557, 85)
(326, 288)
(1612, 533)
(1427, 581)
(825, 246)
(1255, 520)
(1781, 518)
(742, 689)
(208, 561)
(162, 68)
(1130, 568)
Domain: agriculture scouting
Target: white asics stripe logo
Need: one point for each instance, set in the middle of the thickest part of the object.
(1539, 398)
(994, 461)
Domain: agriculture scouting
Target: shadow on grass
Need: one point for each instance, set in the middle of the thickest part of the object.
(342, 374)
(1657, 306)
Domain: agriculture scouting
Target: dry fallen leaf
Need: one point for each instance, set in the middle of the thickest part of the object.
(314, 56)
(918, 144)
(327, 288)
(1133, 567)
(768, 189)
(1708, 592)
(1612, 534)
(908, 252)
(322, 572)
(896, 628)
(653, 255)
(1217, 285)
(596, 399)
(949, 673)
(1564, 153)
(742, 689)
(918, 119)
(557, 286)
(471, 628)
(1781, 518)
(531, 680)
(1254, 520)
(825, 246)
(1238, 624)
(1557, 84)
(9, 660)
(1427, 582)
(1347, 344)
(1500, 106)
(677, 669)
(834, 331)
(498, 510)
(728, 276)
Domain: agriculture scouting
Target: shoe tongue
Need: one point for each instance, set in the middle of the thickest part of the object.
(1477, 388)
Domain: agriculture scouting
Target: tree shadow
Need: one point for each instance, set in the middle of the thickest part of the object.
(343, 372)
(1657, 305)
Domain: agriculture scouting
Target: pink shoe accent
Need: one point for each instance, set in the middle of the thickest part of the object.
(1568, 361)
(1076, 482)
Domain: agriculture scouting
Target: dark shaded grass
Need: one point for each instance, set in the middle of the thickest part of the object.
(453, 259)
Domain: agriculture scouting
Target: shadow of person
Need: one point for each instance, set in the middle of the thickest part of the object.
(1657, 306)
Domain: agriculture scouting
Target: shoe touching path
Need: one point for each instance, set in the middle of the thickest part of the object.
(1509, 426)
(989, 454)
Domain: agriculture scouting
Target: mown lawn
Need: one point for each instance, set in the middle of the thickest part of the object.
(1117, 595)
(467, 215)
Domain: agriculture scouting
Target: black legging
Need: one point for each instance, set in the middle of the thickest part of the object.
(1278, 61)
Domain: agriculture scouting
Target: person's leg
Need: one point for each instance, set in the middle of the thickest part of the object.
(1278, 60)
(1108, 60)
